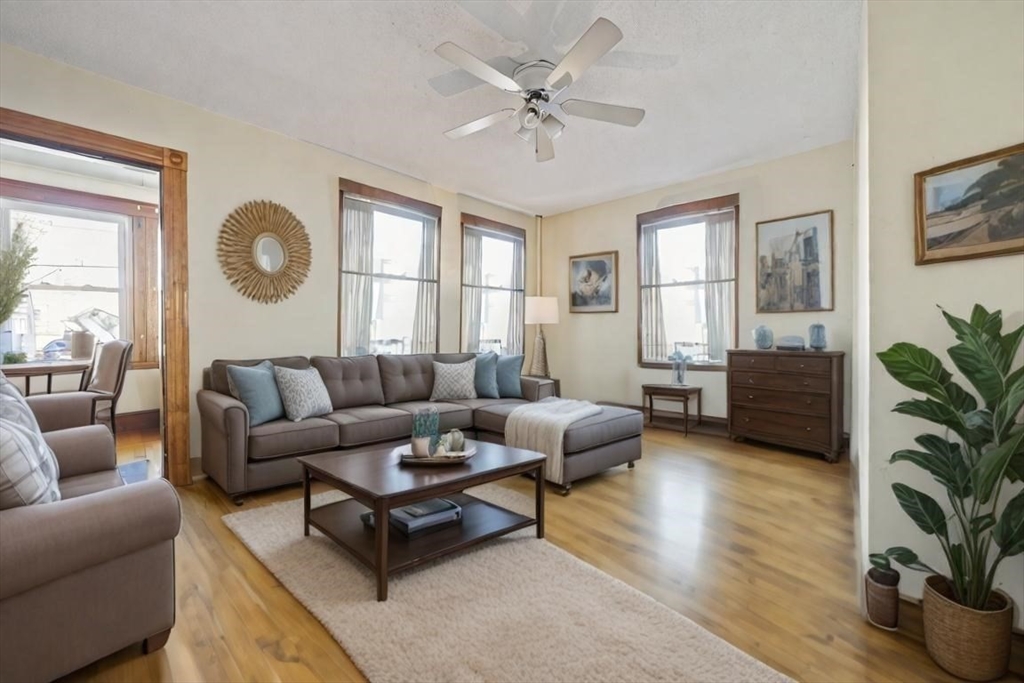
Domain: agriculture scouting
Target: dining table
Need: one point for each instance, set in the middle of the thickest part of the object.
(45, 368)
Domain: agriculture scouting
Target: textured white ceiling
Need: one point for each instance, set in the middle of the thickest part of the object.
(724, 83)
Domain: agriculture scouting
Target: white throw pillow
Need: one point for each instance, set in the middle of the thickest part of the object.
(303, 393)
(28, 468)
(454, 381)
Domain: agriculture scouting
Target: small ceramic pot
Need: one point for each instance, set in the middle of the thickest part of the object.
(421, 446)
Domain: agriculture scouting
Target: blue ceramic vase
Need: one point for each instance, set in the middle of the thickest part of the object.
(816, 337)
(763, 337)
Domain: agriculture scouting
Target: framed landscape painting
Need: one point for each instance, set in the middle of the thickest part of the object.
(794, 264)
(971, 208)
(594, 283)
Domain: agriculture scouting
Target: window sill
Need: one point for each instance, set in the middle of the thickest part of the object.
(698, 367)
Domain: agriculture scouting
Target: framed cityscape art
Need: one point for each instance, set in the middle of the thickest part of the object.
(795, 270)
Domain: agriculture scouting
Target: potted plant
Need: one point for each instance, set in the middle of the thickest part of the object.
(15, 260)
(967, 623)
(882, 593)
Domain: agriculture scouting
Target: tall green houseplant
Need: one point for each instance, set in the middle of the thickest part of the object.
(980, 450)
(15, 260)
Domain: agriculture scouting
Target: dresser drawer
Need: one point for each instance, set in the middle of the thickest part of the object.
(786, 425)
(818, 404)
(769, 380)
(753, 361)
(814, 366)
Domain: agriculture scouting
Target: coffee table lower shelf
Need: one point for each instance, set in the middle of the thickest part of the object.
(480, 521)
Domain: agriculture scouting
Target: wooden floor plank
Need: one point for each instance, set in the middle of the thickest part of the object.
(753, 543)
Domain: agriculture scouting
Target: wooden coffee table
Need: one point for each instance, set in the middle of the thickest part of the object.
(377, 480)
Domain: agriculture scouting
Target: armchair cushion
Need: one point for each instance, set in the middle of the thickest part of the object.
(82, 450)
(45, 542)
(28, 468)
(65, 410)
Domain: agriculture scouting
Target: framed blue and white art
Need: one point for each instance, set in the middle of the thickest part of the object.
(594, 283)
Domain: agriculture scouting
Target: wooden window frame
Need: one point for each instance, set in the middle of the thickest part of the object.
(145, 307)
(731, 201)
(359, 190)
(173, 167)
(468, 220)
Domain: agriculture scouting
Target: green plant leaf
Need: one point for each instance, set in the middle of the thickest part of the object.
(1015, 468)
(880, 560)
(1013, 400)
(950, 471)
(958, 564)
(980, 357)
(1011, 343)
(916, 368)
(933, 411)
(989, 323)
(908, 558)
(922, 508)
(982, 523)
(979, 427)
(993, 463)
(1009, 532)
(960, 398)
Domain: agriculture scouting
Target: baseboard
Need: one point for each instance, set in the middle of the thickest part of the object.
(138, 421)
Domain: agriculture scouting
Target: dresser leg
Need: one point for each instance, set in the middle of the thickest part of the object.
(832, 457)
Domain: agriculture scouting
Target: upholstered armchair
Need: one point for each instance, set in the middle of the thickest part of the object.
(91, 574)
(97, 401)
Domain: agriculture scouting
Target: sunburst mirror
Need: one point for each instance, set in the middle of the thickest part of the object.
(264, 251)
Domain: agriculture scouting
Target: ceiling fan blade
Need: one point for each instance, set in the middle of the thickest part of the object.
(479, 68)
(525, 133)
(601, 37)
(612, 113)
(545, 148)
(552, 125)
(479, 124)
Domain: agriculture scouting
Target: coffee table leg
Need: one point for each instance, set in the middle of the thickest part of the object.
(305, 502)
(539, 481)
(381, 518)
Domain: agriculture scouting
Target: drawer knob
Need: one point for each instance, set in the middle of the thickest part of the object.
(808, 428)
(806, 383)
(752, 396)
(751, 361)
(801, 365)
(808, 401)
(751, 380)
(746, 419)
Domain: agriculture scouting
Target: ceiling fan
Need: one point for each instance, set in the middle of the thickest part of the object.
(539, 83)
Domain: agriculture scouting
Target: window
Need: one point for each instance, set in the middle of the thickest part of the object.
(390, 248)
(687, 263)
(95, 270)
(493, 281)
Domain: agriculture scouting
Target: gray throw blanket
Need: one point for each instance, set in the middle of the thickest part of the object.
(541, 427)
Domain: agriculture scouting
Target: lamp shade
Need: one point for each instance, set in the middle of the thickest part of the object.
(541, 310)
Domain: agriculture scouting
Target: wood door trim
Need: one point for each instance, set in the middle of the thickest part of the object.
(173, 167)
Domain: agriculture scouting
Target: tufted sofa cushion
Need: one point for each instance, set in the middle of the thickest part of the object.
(411, 378)
(218, 375)
(351, 381)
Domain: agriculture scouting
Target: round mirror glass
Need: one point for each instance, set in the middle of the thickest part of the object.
(269, 253)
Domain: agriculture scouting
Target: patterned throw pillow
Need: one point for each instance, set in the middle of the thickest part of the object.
(28, 468)
(303, 393)
(454, 380)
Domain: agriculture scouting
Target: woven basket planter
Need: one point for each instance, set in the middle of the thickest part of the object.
(883, 603)
(968, 643)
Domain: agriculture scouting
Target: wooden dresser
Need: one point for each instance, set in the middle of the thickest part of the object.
(790, 398)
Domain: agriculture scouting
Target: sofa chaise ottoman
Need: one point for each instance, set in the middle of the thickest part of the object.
(373, 400)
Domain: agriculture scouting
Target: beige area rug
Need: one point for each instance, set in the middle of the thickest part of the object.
(515, 609)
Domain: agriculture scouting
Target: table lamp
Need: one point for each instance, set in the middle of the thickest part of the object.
(541, 310)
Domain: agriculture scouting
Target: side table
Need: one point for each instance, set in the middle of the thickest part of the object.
(673, 392)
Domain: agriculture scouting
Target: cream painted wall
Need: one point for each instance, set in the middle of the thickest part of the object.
(595, 354)
(141, 387)
(946, 81)
(229, 163)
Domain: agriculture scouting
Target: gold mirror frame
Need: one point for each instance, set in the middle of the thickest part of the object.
(236, 249)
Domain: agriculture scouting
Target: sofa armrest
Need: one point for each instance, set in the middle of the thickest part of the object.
(64, 411)
(224, 423)
(536, 388)
(42, 543)
(83, 450)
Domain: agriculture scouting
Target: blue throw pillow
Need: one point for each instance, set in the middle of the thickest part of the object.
(256, 387)
(487, 375)
(509, 370)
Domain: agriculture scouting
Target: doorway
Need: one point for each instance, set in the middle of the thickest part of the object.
(109, 218)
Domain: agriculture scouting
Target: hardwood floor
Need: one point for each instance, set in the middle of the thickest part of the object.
(140, 445)
(753, 543)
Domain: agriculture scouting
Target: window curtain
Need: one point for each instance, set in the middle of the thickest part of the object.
(720, 246)
(655, 346)
(472, 296)
(424, 327)
(517, 302)
(356, 281)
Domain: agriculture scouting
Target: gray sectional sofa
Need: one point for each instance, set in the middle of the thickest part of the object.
(374, 398)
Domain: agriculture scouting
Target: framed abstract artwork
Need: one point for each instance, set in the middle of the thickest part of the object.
(594, 283)
(795, 270)
(971, 208)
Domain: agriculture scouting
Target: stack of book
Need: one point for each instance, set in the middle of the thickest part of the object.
(418, 518)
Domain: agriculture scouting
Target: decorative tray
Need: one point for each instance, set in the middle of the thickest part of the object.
(453, 458)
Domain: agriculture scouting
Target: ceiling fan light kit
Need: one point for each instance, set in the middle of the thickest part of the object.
(539, 84)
